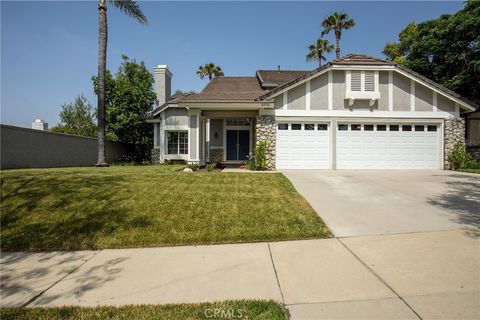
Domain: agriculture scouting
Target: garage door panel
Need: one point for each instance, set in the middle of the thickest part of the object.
(388, 149)
(303, 149)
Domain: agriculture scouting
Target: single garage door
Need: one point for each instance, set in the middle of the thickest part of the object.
(388, 146)
(303, 146)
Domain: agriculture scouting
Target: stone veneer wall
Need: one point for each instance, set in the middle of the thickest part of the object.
(266, 130)
(155, 159)
(454, 132)
(216, 155)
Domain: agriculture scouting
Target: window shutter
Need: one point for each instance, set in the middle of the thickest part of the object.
(356, 81)
(369, 81)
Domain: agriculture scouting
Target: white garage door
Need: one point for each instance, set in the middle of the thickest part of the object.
(388, 146)
(303, 146)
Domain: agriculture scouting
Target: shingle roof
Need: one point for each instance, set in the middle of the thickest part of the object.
(274, 78)
(229, 89)
(173, 100)
(361, 59)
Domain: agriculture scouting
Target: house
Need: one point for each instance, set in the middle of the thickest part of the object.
(357, 112)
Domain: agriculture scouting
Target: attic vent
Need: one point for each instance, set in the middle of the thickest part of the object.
(369, 81)
(356, 84)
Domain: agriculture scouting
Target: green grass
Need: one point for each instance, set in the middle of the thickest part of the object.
(471, 171)
(246, 309)
(115, 207)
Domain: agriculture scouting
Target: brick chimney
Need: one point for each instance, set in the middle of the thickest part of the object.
(163, 83)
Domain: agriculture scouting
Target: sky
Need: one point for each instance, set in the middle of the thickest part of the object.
(49, 49)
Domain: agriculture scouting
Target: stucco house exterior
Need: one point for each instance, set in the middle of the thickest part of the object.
(356, 112)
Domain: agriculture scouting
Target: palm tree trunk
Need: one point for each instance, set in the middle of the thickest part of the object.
(102, 65)
(337, 45)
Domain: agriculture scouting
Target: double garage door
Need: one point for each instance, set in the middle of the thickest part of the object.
(358, 146)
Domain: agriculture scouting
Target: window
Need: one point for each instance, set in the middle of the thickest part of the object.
(419, 128)
(407, 127)
(237, 122)
(432, 128)
(356, 127)
(283, 126)
(322, 126)
(296, 126)
(356, 82)
(177, 142)
(368, 127)
(309, 126)
(342, 127)
(369, 81)
(394, 127)
(381, 127)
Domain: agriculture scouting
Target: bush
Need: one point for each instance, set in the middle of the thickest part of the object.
(261, 155)
(250, 164)
(193, 166)
(461, 159)
(211, 166)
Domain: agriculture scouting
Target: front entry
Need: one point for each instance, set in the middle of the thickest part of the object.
(237, 144)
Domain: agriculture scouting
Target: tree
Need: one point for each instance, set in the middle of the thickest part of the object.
(132, 9)
(77, 118)
(316, 51)
(209, 70)
(129, 100)
(337, 22)
(446, 50)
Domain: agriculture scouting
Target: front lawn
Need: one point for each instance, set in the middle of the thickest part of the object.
(95, 208)
(477, 171)
(247, 309)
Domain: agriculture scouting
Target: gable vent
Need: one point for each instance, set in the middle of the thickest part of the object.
(356, 82)
(369, 81)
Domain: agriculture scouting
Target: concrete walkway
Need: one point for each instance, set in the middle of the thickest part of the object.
(429, 275)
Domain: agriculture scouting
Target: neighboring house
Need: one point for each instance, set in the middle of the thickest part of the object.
(357, 112)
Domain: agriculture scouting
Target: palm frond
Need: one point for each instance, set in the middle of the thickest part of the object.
(131, 9)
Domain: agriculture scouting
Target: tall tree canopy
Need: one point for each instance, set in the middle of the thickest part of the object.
(446, 50)
(129, 100)
(337, 22)
(209, 70)
(316, 51)
(77, 118)
(131, 9)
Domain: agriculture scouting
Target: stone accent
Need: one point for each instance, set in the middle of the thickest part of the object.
(454, 132)
(266, 130)
(216, 155)
(156, 156)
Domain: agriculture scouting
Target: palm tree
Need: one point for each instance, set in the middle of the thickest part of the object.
(132, 9)
(337, 22)
(315, 52)
(209, 70)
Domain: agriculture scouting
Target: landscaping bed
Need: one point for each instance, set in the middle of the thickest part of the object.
(245, 309)
(117, 207)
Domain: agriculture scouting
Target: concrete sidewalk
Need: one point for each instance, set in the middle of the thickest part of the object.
(406, 276)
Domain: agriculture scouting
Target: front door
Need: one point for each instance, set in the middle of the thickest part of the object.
(238, 143)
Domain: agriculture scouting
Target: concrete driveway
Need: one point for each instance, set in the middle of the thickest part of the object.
(375, 202)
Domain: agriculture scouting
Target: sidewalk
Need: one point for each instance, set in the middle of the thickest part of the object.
(404, 276)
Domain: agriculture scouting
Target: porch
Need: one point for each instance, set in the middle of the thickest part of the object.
(226, 137)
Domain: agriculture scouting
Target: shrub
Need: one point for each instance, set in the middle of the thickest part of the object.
(460, 158)
(193, 166)
(261, 155)
(250, 164)
(211, 166)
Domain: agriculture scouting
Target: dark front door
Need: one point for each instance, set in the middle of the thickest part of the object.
(237, 144)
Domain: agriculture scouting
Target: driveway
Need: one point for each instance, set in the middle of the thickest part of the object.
(375, 202)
